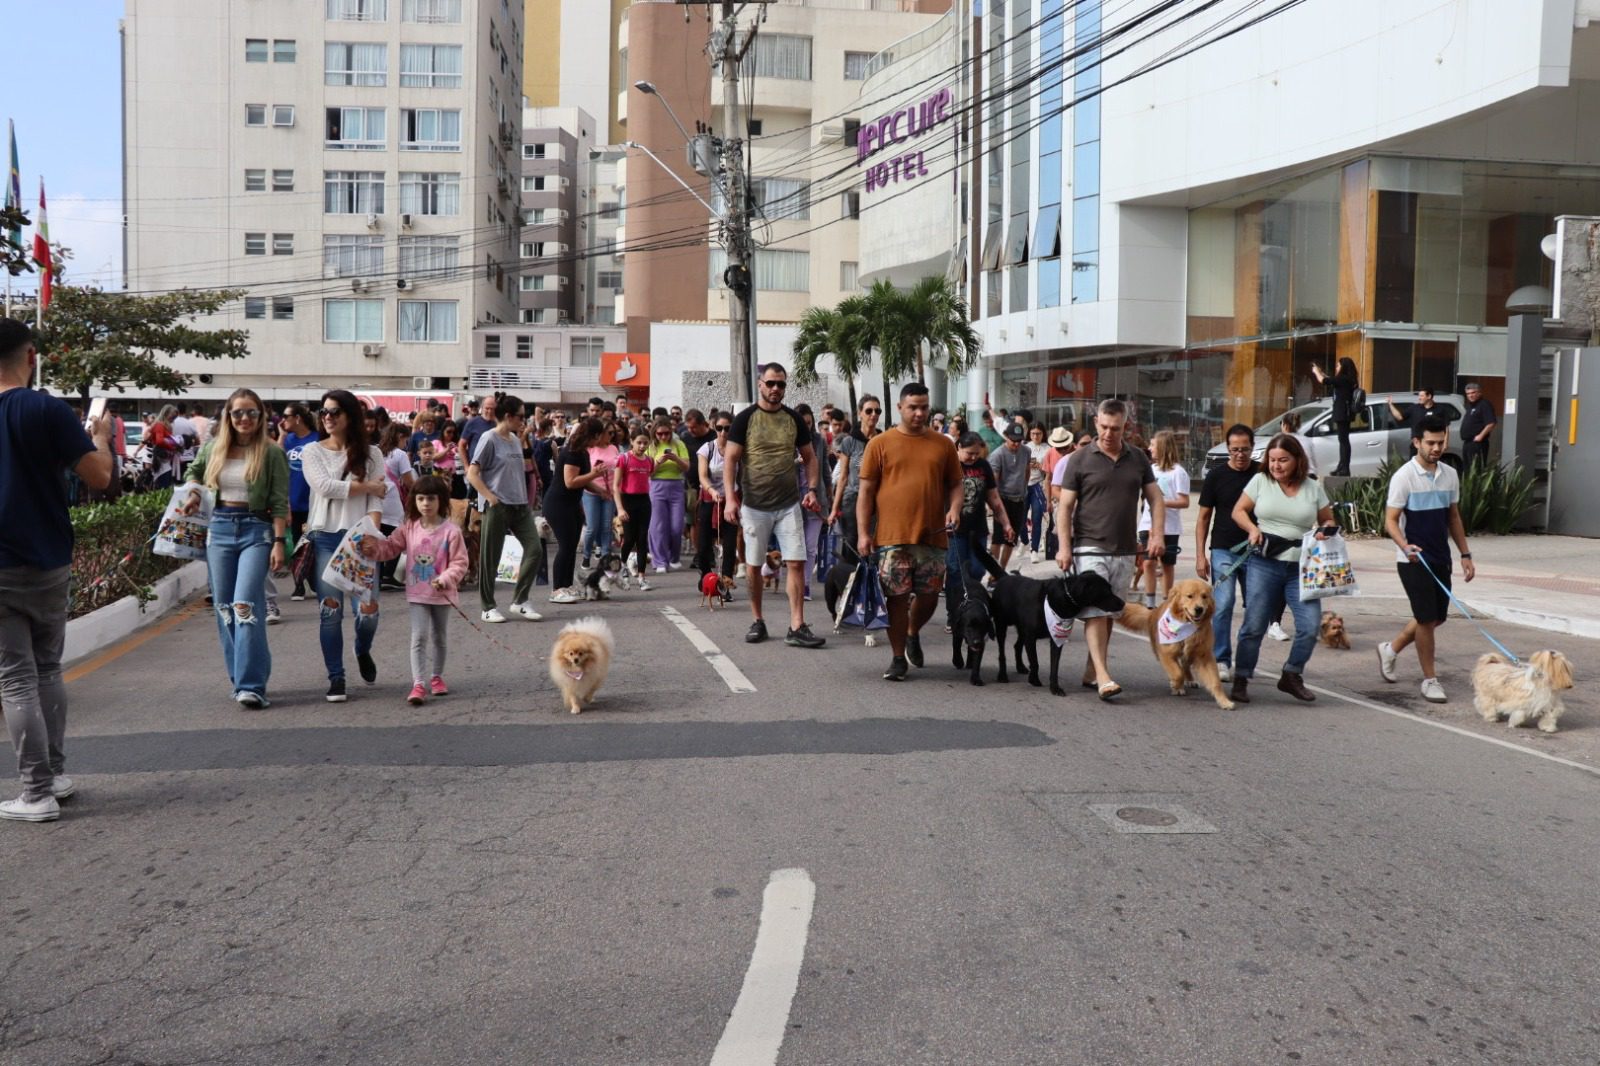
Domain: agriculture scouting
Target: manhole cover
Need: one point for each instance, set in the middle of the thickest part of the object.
(1147, 816)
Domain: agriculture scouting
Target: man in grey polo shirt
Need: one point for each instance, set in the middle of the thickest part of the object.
(1010, 463)
(1096, 516)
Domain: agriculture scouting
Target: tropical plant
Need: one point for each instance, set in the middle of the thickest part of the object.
(1359, 503)
(1494, 496)
(935, 315)
(840, 332)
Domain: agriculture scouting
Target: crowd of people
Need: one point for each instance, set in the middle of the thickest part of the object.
(774, 491)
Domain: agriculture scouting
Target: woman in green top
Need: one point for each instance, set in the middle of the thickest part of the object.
(1280, 504)
(250, 477)
(671, 457)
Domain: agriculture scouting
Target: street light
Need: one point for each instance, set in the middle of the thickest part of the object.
(674, 175)
(649, 89)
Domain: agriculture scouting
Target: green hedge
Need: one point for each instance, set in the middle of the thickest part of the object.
(111, 556)
(1493, 498)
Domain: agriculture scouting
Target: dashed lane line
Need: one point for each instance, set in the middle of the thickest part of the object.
(730, 674)
(755, 1030)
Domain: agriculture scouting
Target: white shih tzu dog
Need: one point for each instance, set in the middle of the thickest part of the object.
(1522, 695)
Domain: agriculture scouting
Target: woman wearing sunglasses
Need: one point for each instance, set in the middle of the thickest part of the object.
(711, 526)
(346, 476)
(250, 478)
(847, 480)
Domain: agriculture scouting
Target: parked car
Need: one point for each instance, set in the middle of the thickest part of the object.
(132, 434)
(1374, 435)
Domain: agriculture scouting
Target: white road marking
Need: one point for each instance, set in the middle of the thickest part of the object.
(1419, 720)
(723, 665)
(760, 1018)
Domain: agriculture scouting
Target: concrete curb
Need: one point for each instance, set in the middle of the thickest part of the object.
(98, 630)
(1552, 623)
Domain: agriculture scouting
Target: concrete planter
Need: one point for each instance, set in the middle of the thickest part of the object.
(98, 630)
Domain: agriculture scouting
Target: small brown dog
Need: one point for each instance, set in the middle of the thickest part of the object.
(1526, 694)
(1181, 636)
(772, 570)
(580, 660)
(714, 590)
(1332, 631)
(619, 529)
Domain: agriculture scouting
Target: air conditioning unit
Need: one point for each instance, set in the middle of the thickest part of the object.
(405, 221)
(372, 221)
(357, 285)
(561, 316)
(401, 283)
(422, 383)
(372, 351)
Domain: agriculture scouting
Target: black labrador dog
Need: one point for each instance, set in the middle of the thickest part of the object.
(1018, 603)
(839, 576)
(971, 626)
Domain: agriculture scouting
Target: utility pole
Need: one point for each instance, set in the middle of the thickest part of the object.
(740, 274)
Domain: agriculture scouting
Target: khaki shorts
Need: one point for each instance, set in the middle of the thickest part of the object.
(911, 569)
(1116, 569)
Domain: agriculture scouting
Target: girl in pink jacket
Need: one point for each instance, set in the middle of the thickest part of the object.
(436, 561)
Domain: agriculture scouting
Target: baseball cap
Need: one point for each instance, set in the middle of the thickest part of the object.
(1015, 431)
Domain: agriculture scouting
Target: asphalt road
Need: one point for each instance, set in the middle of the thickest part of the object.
(488, 879)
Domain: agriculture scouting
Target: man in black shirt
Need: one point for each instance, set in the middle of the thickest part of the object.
(1214, 522)
(1414, 412)
(1477, 425)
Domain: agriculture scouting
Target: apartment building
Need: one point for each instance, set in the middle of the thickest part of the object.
(352, 165)
(572, 59)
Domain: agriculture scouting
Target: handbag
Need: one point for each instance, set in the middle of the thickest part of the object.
(180, 535)
(1325, 568)
(862, 603)
(302, 563)
(350, 571)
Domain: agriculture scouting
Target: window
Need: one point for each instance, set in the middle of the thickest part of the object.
(608, 279)
(283, 51)
(429, 257)
(611, 209)
(848, 273)
(779, 55)
(430, 11)
(536, 151)
(532, 183)
(351, 255)
(430, 66)
(255, 307)
(283, 308)
(352, 192)
(255, 114)
(359, 128)
(526, 250)
(425, 129)
(428, 320)
(255, 181)
(776, 271)
(524, 346)
(358, 10)
(855, 65)
(528, 316)
(782, 198)
(255, 50)
(283, 244)
(491, 346)
(430, 194)
(534, 282)
(355, 64)
(604, 315)
(352, 320)
(850, 205)
(283, 114)
(283, 181)
(255, 244)
(586, 351)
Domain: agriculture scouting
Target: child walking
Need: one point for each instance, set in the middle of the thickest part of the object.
(436, 561)
(632, 489)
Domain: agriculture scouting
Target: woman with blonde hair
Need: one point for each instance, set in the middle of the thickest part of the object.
(1166, 460)
(250, 477)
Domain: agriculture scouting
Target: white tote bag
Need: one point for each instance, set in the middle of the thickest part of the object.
(183, 536)
(350, 571)
(1325, 568)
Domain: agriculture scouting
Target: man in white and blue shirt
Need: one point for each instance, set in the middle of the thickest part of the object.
(1422, 517)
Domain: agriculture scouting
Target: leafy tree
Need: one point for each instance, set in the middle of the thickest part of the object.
(841, 332)
(935, 315)
(114, 340)
(13, 255)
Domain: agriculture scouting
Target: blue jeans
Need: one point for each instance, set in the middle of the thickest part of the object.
(1223, 593)
(1272, 585)
(597, 515)
(960, 562)
(1035, 514)
(238, 551)
(332, 599)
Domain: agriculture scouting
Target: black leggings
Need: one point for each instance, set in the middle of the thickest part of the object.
(727, 532)
(1343, 430)
(636, 530)
(566, 520)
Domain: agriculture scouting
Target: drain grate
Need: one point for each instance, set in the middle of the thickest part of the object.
(1150, 818)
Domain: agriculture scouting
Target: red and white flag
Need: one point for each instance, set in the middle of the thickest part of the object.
(41, 252)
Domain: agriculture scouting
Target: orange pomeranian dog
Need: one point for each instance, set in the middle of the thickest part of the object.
(580, 660)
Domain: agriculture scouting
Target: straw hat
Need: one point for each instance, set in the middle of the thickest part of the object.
(1060, 437)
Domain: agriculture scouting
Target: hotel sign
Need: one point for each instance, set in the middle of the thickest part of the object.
(887, 133)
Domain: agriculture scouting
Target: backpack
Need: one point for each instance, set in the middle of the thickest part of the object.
(1358, 400)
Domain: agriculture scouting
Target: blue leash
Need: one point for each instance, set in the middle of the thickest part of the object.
(1242, 550)
(1463, 608)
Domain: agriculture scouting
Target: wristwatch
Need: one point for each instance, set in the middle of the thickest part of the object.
(280, 540)
(1466, 555)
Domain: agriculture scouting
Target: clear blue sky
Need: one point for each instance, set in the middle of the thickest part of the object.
(63, 90)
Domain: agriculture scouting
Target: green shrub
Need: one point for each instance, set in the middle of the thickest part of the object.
(1494, 496)
(1365, 498)
(111, 556)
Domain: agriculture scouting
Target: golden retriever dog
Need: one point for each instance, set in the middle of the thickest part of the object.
(1522, 695)
(1189, 660)
(580, 660)
(1333, 632)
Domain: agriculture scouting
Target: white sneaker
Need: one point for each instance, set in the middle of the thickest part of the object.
(254, 701)
(1275, 631)
(1386, 660)
(492, 615)
(22, 809)
(673, 567)
(566, 596)
(62, 787)
(1432, 691)
(1034, 557)
(274, 616)
(525, 611)
(644, 586)
(1224, 673)
(661, 569)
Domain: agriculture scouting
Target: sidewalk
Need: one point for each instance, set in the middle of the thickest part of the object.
(1546, 582)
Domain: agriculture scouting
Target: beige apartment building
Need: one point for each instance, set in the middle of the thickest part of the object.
(801, 78)
(352, 165)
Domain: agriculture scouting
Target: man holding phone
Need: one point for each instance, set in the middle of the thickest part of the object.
(40, 439)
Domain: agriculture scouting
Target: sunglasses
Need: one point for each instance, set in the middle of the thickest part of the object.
(872, 410)
(331, 412)
(722, 429)
(245, 412)
(775, 384)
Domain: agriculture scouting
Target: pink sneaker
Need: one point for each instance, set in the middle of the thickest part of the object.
(437, 686)
(419, 695)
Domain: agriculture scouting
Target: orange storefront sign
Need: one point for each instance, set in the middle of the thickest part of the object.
(625, 370)
(1074, 384)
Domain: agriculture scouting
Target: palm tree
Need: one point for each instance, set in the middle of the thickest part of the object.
(840, 332)
(884, 309)
(935, 314)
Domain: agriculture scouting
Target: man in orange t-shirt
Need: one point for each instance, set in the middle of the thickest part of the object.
(911, 481)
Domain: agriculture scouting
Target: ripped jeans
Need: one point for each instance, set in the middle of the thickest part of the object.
(238, 553)
(333, 601)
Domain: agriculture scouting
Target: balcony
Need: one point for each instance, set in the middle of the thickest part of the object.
(529, 382)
